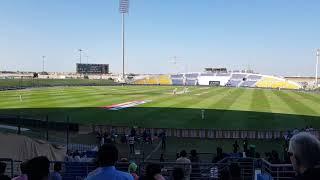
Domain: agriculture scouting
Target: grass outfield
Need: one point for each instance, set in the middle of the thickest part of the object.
(225, 108)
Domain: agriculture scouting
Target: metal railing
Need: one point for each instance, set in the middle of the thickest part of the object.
(194, 170)
(277, 171)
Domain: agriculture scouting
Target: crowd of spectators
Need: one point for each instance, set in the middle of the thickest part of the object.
(303, 152)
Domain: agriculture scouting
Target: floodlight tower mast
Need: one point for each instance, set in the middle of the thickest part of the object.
(80, 51)
(123, 9)
(43, 58)
(317, 64)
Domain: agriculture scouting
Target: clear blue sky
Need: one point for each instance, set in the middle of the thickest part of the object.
(272, 37)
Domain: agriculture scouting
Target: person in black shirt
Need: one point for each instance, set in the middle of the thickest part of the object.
(245, 145)
(163, 137)
(235, 147)
(2, 171)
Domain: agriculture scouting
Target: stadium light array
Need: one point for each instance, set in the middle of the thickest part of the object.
(123, 9)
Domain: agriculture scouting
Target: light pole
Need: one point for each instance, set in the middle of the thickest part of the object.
(123, 8)
(80, 50)
(317, 64)
(43, 57)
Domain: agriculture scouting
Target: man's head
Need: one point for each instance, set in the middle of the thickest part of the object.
(304, 151)
(183, 153)
(57, 166)
(132, 168)
(2, 167)
(107, 155)
(38, 168)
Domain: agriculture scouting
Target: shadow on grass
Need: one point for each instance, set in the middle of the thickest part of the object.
(170, 117)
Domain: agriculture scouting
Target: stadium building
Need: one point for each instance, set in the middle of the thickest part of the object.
(220, 77)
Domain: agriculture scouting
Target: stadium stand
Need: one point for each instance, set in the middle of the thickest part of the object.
(191, 82)
(238, 76)
(248, 83)
(222, 74)
(178, 82)
(165, 80)
(154, 80)
(254, 77)
(223, 79)
(233, 83)
(192, 76)
(207, 74)
(274, 82)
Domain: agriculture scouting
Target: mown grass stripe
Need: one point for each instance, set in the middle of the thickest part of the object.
(294, 104)
(309, 96)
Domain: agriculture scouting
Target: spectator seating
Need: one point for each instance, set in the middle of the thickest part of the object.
(192, 76)
(177, 82)
(154, 80)
(248, 83)
(150, 80)
(222, 74)
(238, 76)
(233, 83)
(191, 82)
(177, 76)
(207, 74)
(164, 80)
(254, 77)
(223, 79)
(272, 82)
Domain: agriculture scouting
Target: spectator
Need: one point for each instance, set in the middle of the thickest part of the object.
(225, 174)
(177, 174)
(102, 141)
(144, 135)
(106, 159)
(235, 147)
(304, 152)
(194, 158)
(149, 135)
(177, 155)
(245, 145)
(2, 171)
(38, 168)
(133, 132)
(185, 164)
(55, 175)
(133, 171)
(131, 144)
(153, 172)
(219, 156)
(23, 169)
(235, 171)
(123, 165)
(163, 137)
(161, 157)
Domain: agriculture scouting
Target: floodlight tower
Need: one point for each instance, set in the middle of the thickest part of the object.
(80, 50)
(123, 9)
(43, 58)
(317, 64)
